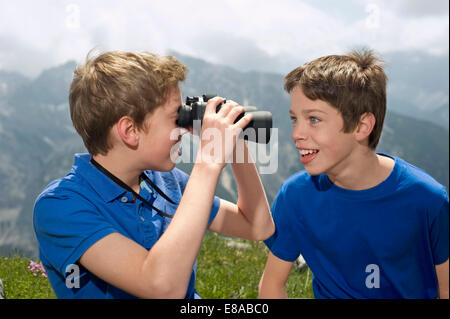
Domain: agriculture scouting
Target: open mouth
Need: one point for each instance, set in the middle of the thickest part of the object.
(307, 155)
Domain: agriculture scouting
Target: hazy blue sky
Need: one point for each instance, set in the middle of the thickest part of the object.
(272, 36)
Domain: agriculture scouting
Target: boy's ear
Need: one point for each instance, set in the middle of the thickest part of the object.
(365, 126)
(127, 131)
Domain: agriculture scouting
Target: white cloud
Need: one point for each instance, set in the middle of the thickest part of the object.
(250, 34)
(417, 8)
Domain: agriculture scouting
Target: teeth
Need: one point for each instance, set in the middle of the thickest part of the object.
(306, 152)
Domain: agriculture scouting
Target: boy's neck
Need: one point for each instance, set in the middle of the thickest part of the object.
(363, 171)
(117, 165)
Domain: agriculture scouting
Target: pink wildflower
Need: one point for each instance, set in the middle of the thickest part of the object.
(37, 269)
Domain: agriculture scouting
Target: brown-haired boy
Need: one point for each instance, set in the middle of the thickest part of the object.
(369, 225)
(105, 230)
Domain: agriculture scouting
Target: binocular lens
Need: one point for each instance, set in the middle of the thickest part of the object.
(258, 130)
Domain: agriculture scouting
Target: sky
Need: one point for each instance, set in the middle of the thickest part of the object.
(271, 36)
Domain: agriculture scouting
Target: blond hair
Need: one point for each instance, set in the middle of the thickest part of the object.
(114, 84)
(354, 83)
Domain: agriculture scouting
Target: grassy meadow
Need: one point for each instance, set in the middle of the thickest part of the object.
(227, 269)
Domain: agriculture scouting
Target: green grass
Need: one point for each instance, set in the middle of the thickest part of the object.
(19, 281)
(231, 272)
(222, 272)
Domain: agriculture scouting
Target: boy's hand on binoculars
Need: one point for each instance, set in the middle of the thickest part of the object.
(219, 132)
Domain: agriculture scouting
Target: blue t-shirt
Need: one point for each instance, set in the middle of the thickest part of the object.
(76, 211)
(382, 242)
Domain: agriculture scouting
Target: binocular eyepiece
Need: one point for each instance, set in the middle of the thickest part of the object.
(258, 130)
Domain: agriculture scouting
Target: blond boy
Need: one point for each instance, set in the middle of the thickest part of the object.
(125, 222)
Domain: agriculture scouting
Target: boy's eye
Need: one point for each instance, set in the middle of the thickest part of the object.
(293, 120)
(314, 120)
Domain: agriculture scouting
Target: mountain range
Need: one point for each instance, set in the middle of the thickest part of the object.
(37, 140)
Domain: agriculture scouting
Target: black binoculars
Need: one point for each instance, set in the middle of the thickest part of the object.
(258, 130)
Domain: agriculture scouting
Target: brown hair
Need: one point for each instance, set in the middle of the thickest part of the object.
(115, 84)
(354, 83)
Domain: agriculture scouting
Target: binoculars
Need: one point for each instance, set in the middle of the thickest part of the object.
(258, 130)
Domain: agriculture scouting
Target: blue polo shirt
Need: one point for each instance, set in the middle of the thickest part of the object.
(76, 211)
(382, 242)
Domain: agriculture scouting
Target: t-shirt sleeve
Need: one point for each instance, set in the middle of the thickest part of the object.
(66, 226)
(282, 242)
(439, 234)
(214, 209)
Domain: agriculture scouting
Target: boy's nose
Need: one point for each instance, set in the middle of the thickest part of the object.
(298, 133)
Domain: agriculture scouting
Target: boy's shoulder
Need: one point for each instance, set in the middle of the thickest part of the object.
(59, 200)
(415, 178)
(77, 180)
(58, 187)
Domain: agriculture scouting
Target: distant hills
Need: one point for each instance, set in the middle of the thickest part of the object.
(418, 86)
(37, 141)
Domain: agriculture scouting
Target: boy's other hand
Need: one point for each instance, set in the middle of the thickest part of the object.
(219, 132)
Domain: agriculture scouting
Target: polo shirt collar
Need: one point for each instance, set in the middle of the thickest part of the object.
(102, 184)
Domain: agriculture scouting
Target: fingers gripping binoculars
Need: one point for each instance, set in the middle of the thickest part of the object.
(258, 130)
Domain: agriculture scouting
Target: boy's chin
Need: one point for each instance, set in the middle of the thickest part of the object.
(311, 171)
(168, 167)
(163, 167)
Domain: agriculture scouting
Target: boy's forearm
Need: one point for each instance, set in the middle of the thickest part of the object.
(443, 280)
(252, 200)
(174, 254)
(273, 294)
(272, 291)
(443, 294)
